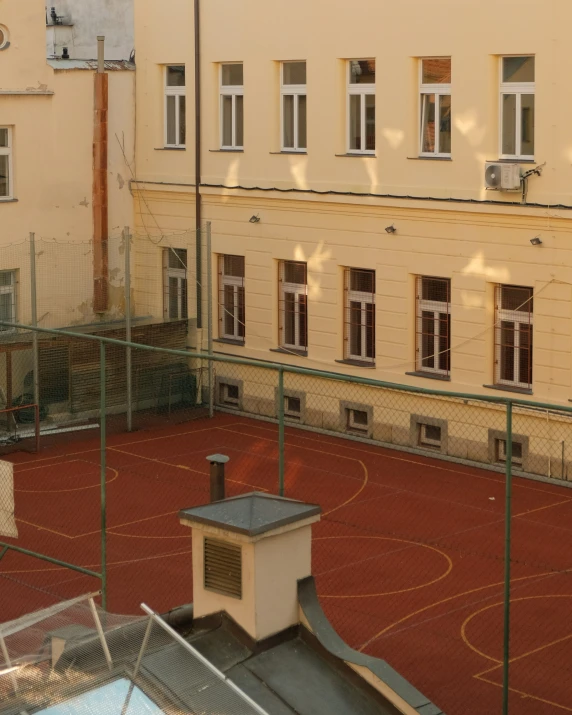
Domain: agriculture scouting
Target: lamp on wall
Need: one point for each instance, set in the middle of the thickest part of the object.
(391, 229)
(254, 219)
(536, 241)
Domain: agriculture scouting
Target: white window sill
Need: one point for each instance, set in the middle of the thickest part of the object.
(7, 200)
(229, 150)
(171, 148)
(515, 160)
(431, 157)
(358, 154)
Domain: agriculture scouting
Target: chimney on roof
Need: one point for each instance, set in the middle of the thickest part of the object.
(249, 552)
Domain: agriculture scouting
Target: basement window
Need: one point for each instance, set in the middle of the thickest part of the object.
(229, 394)
(223, 568)
(292, 407)
(357, 421)
(430, 436)
(516, 451)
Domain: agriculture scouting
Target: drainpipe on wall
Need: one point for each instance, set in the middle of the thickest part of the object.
(198, 216)
(100, 196)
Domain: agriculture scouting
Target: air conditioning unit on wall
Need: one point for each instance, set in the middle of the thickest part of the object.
(502, 177)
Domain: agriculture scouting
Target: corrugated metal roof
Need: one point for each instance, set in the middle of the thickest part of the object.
(110, 65)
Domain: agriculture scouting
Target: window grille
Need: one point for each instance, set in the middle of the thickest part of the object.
(513, 336)
(293, 305)
(433, 325)
(231, 297)
(175, 300)
(359, 314)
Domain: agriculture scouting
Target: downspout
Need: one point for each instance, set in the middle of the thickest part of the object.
(100, 197)
(198, 216)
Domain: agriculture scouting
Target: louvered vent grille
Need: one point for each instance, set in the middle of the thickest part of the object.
(223, 568)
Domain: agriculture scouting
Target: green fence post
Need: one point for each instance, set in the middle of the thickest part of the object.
(103, 474)
(281, 431)
(507, 550)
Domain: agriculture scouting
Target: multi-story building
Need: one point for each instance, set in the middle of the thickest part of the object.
(389, 190)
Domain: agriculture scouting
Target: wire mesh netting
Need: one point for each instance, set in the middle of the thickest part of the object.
(76, 658)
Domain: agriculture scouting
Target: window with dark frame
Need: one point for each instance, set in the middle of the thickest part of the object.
(175, 298)
(433, 325)
(513, 336)
(293, 305)
(231, 298)
(175, 106)
(359, 315)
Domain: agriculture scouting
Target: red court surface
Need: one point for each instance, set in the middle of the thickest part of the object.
(408, 556)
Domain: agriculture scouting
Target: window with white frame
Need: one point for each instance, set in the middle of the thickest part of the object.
(231, 297)
(175, 106)
(229, 394)
(433, 325)
(361, 106)
(293, 87)
(435, 100)
(292, 407)
(8, 281)
(513, 336)
(5, 163)
(231, 106)
(517, 107)
(430, 436)
(175, 283)
(359, 321)
(293, 307)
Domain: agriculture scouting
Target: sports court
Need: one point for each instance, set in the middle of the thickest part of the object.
(408, 556)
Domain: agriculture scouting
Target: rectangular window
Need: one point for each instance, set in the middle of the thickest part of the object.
(231, 297)
(435, 102)
(292, 407)
(357, 421)
(433, 325)
(430, 436)
(359, 322)
(361, 106)
(231, 106)
(5, 163)
(293, 89)
(516, 451)
(175, 106)
(293, 308)
(229, 395)
(517, 107)
(175, 283)
(513, 336)
(7, 298)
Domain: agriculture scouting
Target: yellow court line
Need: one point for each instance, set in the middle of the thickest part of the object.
(498, 663)
(45, 528)
(402, 459)
(356, 495)
(403, 590)
(524, 694)
(452, 598)
(73, 489)
(123, 444)
(541, 508)
(188, 469)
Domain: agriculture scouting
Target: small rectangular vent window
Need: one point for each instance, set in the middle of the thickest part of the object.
(357, 420)
(516, 451)
(429, 435)
(223, 568)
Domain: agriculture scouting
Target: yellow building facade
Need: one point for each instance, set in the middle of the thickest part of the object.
(389, 186)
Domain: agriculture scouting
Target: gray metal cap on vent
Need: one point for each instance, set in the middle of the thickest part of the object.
(251, 514)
